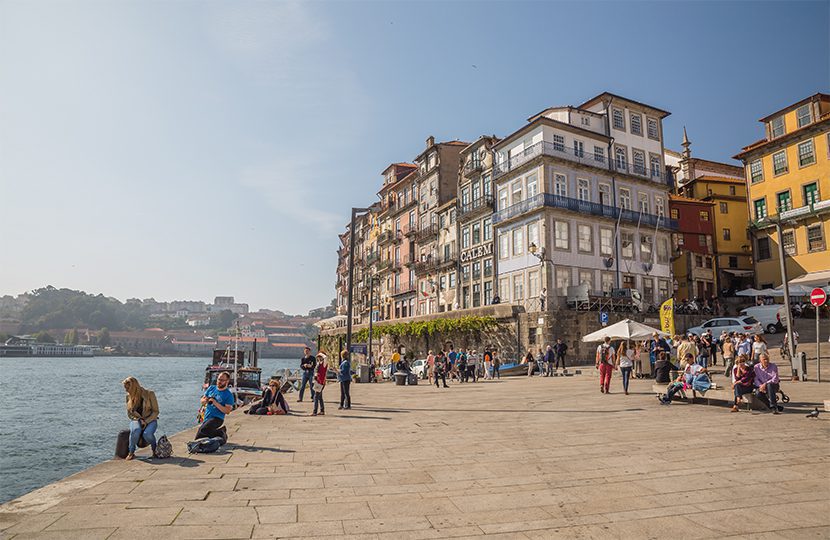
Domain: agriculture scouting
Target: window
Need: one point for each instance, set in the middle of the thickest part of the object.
(619, 119)
(704, 215)
(606, 242)
(646, 243)
(533, 284)
(727, 234)
(488, 229)
(583, 189)
(586, 277)
(485, 181)
(558, 143)
(465, 197)
(756, 171)
(648, 290)
(563, 280)
(518, 241)
(621, 159)
(517, 192)
(560, 185)
(653, 132)
(561, 235)
(533, 234)
(806, 156)
(607, 281)
(701, 240)
(803, 115)
(733, 261)
(476, 294)
(788, 241)
(628, 281)
(518, 288)
(777, 126)
(675, 214)
(779, 162)
(504, 289)
(636, 124)
(627, 241)
(661, 206)
(663, 289)
(724, 208)
(584, 239)
(476, 191)
(625, 198)
(465, 272)
(699, 261)
(663, 250)
(452, 280)
(465, 238)
(503, 199)
(763, 251)
(639, 162)
(532, 186)
(599, 154)
(579, 149)
(815, 238)
(644, 204)
(811, 194)
(655, 167)
(488, 267)
(605, 194)
(732, 190)
(784, 202)
(477, 270)
(504, 250)
(476, 233)
(488, 293)
(760, 209)
(465, 297)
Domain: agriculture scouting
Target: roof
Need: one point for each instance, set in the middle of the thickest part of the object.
(561, 108)
(815, 97)
(553, 123)
(724, 179)
(604, 95)
(785, 137)
(483, 139)
(688, 200)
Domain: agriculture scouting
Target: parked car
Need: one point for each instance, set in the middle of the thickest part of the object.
(419, 368)
(744, 325)
(772, 317)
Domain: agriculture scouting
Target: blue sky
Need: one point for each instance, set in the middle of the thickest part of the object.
(184, 150)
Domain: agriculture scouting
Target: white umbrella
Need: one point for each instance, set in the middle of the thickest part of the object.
(795, 290)
(750, 292)
(626, 329)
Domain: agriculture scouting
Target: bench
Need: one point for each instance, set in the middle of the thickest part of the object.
(715, 394)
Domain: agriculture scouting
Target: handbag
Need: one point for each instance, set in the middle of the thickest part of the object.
(317, 387)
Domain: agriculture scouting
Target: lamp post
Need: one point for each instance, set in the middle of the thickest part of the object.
(539, 253)
(371, 313)
(349, 297)
(796, 367)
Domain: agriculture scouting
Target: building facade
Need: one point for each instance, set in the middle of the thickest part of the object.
(693, 247)
(788, 184)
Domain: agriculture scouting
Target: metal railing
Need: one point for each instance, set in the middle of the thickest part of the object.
(475, 207)
(802, 212)
(473, 165)
(386, 236)
(426, 232)
(403, 288)
(582, 207)
(447, 259)
(372, 257)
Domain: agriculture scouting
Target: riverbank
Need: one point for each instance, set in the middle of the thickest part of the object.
(539, 458)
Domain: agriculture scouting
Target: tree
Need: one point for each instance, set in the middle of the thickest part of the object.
(71, 337)
(44, 337)
(104, 337)
(226, 317)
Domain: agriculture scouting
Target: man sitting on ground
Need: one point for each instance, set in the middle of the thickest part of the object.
(767, 383)
(218, 401)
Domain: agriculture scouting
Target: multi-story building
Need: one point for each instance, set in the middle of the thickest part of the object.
(475, 221)
(693, 251)
(724, 186)
(585, 189)
(788, 182)
(442, 268)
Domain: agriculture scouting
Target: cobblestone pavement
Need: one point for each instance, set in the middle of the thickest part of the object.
(516, 458)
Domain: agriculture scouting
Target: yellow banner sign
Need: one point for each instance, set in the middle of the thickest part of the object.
(667, 316)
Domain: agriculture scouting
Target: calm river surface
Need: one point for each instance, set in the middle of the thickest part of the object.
(59, 416)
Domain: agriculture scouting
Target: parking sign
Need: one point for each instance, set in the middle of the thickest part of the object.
(603, 318)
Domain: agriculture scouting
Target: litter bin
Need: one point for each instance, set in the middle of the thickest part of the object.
(400, 378)
(413, 379)
(363, 373)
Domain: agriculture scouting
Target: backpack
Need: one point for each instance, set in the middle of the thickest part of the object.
(204, 445)
(163, 448)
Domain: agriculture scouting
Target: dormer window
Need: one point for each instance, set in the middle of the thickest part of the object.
(803, 115)
(777, 126)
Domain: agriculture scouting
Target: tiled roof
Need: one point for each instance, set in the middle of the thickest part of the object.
(681, 198)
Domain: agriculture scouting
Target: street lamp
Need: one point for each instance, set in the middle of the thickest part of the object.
(539, 253)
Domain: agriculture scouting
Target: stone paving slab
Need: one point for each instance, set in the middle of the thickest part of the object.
(516, 458)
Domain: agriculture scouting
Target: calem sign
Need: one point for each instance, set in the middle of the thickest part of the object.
(818, 297)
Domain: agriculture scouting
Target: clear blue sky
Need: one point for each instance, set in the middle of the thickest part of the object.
(183, 150)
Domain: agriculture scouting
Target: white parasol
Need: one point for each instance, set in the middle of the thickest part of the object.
(626, 329)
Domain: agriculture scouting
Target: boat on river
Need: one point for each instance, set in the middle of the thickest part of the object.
(246, 378)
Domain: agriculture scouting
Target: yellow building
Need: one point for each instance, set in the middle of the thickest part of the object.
(788, 182)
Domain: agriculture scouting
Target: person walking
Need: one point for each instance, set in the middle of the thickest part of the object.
(307, 366)
(531, 363)
(143, 412)
(344, 377)
(496, 365)
(488, 364)
(430, 366)
(560, 349)
(550, 361)
(440, 370)
(605, 364)
(320, 372)
(625, 363)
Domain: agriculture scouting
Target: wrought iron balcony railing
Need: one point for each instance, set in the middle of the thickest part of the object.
(473, 165)
(403, 288)
(793, 214)
(475, 208)
(427, 232)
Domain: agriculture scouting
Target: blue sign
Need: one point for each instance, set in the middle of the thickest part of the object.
(359, 348)
(603, 318)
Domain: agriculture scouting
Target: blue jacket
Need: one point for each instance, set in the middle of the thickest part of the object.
(345, 374)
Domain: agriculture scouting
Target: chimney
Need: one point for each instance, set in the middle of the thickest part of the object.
(430, 141)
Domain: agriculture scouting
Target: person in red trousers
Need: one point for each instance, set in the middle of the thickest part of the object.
(605, 364)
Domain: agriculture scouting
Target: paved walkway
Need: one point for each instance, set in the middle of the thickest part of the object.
(519, 458)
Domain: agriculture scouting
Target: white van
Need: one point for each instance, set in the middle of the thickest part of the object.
(773, 317)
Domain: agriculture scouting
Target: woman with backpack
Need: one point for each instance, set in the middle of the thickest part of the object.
(143, 412)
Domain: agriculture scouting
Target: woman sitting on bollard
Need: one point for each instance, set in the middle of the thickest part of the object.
(143, 412)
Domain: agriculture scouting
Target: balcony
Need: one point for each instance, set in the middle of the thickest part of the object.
(396, 265)
(582, 207)
(447, 260)
(385, 237)
(400, 207)
(427, 232)
(423, 266)
(403, 288)
(473, 165)
(372, 258)
(793, 214)
(409, 259)
(384, 265)
(408, 230)
(475, 208)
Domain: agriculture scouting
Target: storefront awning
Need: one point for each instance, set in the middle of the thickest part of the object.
(821, 279)
(739, 273)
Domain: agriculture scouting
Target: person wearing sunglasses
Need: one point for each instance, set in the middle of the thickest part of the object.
(272, 401)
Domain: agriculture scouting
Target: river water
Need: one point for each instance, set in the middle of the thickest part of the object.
(59, 416)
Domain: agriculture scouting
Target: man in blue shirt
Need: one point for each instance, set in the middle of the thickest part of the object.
(218, 401)
(344, 376)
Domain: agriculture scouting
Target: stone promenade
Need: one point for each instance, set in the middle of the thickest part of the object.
(516, 458)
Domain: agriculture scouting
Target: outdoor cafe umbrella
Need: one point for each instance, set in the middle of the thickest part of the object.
(753, 292)
(626, 329)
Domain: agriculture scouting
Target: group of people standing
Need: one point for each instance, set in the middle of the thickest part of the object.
(462, 365)
(314, 375)
(549, 361)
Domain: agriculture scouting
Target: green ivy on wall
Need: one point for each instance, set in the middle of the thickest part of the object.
(428, 328)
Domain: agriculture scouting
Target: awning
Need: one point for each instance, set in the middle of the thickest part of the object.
(821, 279)
(751, 292)
(740, 273)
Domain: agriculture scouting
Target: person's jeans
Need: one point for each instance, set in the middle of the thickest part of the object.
(652, 359)
(626, 377)
(496, 374)
(560, 358)
(671, 390)
(605, 371)
(769, 396)
(702, 360)
(730, 363)
(211, 428)
(345, 396)
(550, 369)
(149, 434)
(307, 380)
(741, 390)
(318, 401)
(440, 376)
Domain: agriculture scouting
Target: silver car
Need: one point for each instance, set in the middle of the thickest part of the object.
(739, 325)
